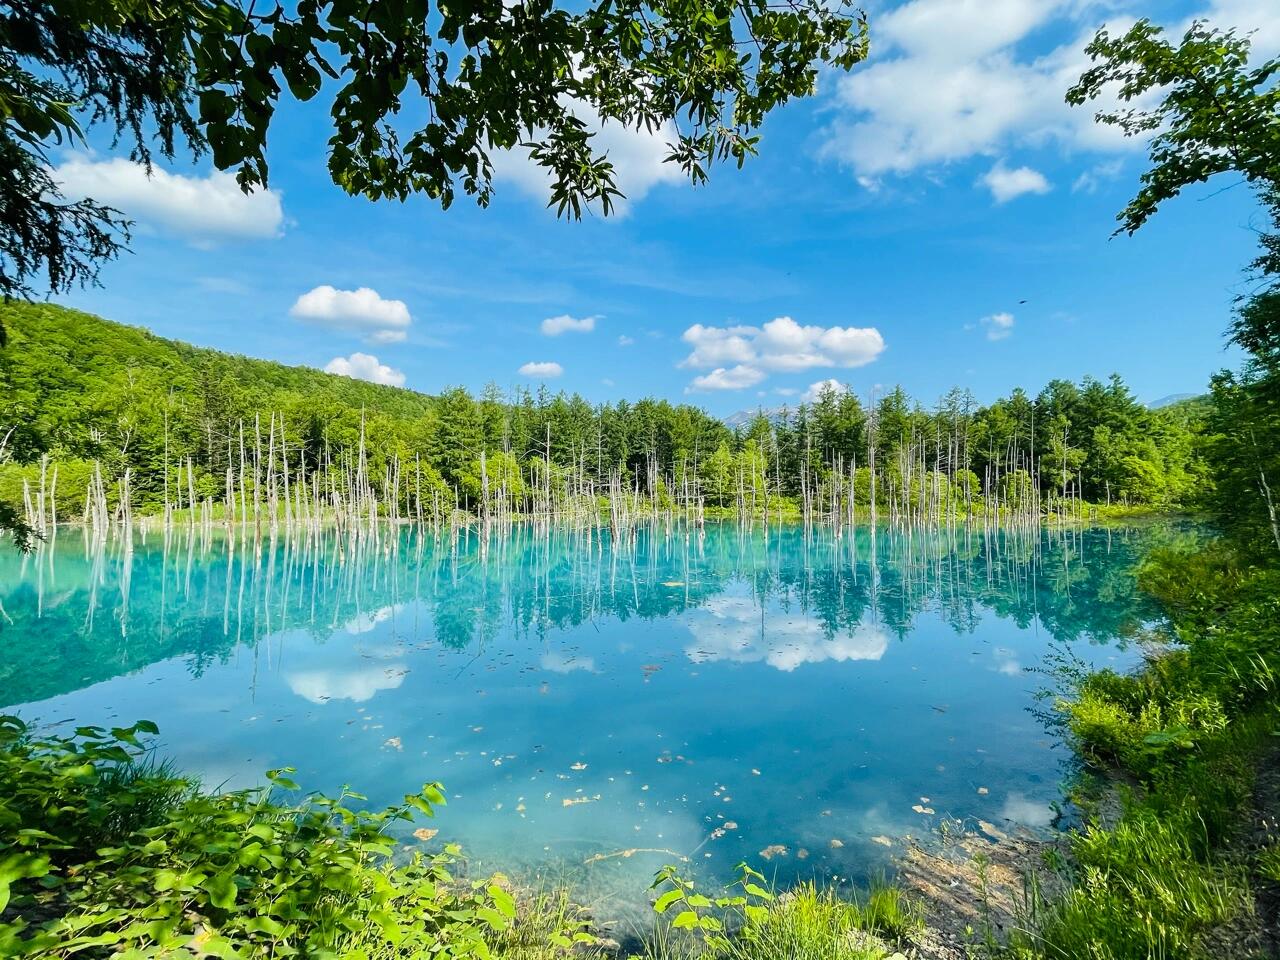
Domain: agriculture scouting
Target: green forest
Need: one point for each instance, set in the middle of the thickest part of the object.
(77, 389)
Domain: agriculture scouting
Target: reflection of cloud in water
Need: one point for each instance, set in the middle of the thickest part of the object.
(558, 662)
(1007, 662)
(350, 673)
(365, 622)
(358, 685)
(729, 628)
(1018, 809)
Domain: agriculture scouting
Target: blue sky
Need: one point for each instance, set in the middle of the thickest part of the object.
(889, 233)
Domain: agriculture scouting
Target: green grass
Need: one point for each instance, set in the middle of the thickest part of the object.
(806, 923)
(1187, 731)
(1144, 889)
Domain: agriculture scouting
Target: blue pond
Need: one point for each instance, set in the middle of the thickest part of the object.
(799, 699)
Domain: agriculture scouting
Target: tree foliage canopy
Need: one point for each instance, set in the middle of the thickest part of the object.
(422, 95)
(1215, 112)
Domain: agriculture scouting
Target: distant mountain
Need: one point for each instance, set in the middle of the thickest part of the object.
(1170, 400)
(736, 421)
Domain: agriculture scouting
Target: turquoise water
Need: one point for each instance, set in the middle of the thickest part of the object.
(799, 700)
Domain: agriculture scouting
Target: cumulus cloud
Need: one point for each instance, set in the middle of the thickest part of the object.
(554, 326)
(729, 628)
(363, 311)
(1260, 18)
(951, 80)
(203, 209)
(541, 369)
(364, 366)
(816, 390)
(957, 79)
(999, 326)
(625, 341)
(731, 378)
(781, 344)
(1006, 184)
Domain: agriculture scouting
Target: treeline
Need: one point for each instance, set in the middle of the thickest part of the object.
(185, 421)
(1243, 428)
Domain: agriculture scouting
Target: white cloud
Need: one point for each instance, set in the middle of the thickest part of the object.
(957, 81)
(816, 390)
(779, 345)
(362, 311)
(541, 370)
(999, 326)
(1091, 179)
(202, 209)
(554, 326)
(1259, 17)
(363, 366)
(1006, 184)
(713, 345)
(625, 341)
(731, 378)
(638, 158)
(729, 628)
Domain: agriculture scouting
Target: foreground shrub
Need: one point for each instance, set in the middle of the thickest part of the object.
(102, 855)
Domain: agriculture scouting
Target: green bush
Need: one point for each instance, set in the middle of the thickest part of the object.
(103, 855)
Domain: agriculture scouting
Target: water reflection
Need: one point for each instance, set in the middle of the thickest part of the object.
(75, 612)
(701, 694)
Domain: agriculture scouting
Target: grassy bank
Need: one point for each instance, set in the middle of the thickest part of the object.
(1178, 868)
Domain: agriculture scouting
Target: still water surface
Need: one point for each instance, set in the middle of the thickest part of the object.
(595, 712)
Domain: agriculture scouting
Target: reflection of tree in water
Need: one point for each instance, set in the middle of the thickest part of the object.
(72, 617)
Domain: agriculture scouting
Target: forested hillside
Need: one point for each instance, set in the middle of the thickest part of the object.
(80, 389)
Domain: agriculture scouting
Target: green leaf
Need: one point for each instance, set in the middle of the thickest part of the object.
(666, 900)
(222, 890)
(505, 903)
